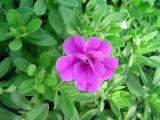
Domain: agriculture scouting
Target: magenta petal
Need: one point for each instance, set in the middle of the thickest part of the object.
(108, 74)
(105, 47)
(110, 62)
(81, 57)
(79, 72)
(97, 44)
(85, 59)
(74, 44)
(93, 83)
(85, 77)
(99, 68)
(64, 66)
(97, 55)
(93, 86)
(81, 85)
(93, 43)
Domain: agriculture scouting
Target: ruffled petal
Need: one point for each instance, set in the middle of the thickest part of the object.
(99, 68)
(74, 44)
(97, 55)
(81, 57)
(108, 74)
(93, 43)
(93, 86)
(110, 64)
(85, 78)
(97, 44)
(64, 66)
(84, 59)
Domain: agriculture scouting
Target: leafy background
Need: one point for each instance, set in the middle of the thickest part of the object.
(31, 37)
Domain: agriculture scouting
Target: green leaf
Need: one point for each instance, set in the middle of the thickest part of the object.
(8, 4)
(147, 112)
(118, 81)
(20, 101)
(69, 3)
(115, 108)
(144, 79)
(70, 89)
(90, 5)
(89, 114)
(154, 102)
(152, 61)
(155, 60)
(134, 12)
(122, 98)
(26, 13)
(44, 60)
(1, 90)
(11, 89)
(149, 36)
(6, 100)
(98, 14)
(39, 112)
(40, 7)
(21, 63)
(14, 18)
(45, 40)
(151, 46)
(40, 88)
(3, 33)
(65, 103)
(113, 17)
(26, 3)
(49, 94)
(70, 17)
(85, 97)
(26, 86)
(55, 20)
(31, 70)
(50, 80)
(134, 85)
(7, 115)
(33, 25)
(4, 66)
(54, 114)
(156, 79)
(131, 112)
(15, 45)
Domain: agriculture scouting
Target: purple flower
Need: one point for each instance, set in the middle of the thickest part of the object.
(86, 63)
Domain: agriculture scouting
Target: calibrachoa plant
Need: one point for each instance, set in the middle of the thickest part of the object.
(86, 62)
(79, 59)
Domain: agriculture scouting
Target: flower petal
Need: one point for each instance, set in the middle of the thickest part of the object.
(74, 44)
(93, 86)
(99, 68)
(108, 74)
(64, 66)
(110, 64)
(81, 57)
(79, 71)
(97, 55)
(85, 77)
(97, 44)
(84, 59)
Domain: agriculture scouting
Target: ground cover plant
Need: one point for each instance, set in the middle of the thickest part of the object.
(33, 34)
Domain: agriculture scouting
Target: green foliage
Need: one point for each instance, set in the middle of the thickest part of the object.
(4, 66)
(31, 37)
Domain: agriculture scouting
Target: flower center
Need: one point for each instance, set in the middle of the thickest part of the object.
(89, 56)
